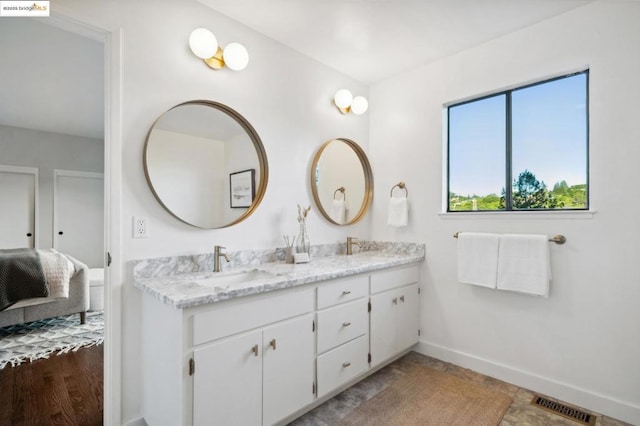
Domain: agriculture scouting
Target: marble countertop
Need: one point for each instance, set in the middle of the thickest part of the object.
(188, 289)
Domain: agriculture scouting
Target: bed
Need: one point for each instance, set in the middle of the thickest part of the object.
(54, 303)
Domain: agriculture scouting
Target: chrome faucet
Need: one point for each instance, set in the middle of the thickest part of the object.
(217, 254)
(350, 243)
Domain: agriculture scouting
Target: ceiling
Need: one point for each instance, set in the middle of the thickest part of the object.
(52, 79)
(371, 40)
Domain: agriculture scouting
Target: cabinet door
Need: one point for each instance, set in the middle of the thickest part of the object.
(408, 316)
(227, 384)
(288, 353)
(383, 326)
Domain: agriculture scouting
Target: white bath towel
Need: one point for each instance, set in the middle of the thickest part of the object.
(398, 214)
(478, 258)
(523, 264)
(338, 211)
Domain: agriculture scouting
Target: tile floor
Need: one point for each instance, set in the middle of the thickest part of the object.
(520, 413)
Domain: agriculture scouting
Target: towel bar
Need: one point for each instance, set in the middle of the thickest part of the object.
(341, 189)
(558, 239)
(400, 185)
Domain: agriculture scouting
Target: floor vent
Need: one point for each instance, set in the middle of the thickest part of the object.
(565, 411)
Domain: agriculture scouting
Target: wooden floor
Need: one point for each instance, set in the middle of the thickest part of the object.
(62, 390)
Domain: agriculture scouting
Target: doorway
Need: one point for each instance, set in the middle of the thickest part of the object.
(42, 95)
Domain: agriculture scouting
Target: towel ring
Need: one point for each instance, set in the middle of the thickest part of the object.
(341, 189)
(400, 185)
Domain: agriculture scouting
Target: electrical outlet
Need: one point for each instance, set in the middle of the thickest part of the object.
(140, 227)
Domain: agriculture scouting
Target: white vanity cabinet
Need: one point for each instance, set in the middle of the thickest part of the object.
(265, 358)
(256, 378)
(395, 313)
(247, 361)
(343, 332)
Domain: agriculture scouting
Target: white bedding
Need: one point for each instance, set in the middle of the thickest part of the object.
(58, 270)
(96, 277)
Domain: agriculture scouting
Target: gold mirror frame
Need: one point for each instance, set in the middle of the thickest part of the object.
(257, 143)
(368, 181)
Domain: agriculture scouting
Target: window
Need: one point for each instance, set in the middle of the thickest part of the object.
(521, 149)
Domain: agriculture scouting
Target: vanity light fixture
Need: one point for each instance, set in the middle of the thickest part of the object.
(205, 46)
(347, 103)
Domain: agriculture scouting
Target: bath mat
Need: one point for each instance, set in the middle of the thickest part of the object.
(425, 396)
(39, 339)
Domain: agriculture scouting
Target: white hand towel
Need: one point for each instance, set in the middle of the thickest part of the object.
(478, 258)
(523, 264)
(398, 214)
(338, 211)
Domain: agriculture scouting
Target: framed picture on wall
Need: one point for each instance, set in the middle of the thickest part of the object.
(242, 188)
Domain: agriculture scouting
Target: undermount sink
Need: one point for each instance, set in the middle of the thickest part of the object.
(370, 256)
(231, 280)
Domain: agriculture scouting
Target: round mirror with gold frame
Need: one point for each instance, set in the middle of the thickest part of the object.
(341, 181)
(206, 164)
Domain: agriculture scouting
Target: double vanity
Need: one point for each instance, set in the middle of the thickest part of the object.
(264, 341)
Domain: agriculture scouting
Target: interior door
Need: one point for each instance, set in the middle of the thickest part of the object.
(79, 216)
(18, 211)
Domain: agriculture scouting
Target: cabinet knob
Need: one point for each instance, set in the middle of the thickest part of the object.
(395, 300)
(272, 343)
(346, 324)
(402, 299)
(255, 350)
(344, 293)
(60, 233)
(346, 364)
(29, 234)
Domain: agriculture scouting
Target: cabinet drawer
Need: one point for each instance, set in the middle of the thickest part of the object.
(342, 290)
(225, 320)
(342, 364)
(342, 323)
(386, 280)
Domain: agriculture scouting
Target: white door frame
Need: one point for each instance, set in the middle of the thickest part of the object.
(67, 173)
(114, 274)
(112, 40)
(36, 212)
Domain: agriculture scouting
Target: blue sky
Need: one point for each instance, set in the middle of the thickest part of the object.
(549, 137)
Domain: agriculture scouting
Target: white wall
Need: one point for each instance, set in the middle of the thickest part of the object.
(240, 155)
(188, 176)
(284, 95)
(583, 343)
(48, 151)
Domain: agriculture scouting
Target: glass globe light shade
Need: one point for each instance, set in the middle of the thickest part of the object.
(343, 98)
(359, 105)
(203, 43)
(235, 56)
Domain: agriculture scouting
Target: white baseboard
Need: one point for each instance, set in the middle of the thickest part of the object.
(136, 422)
(603, 404)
